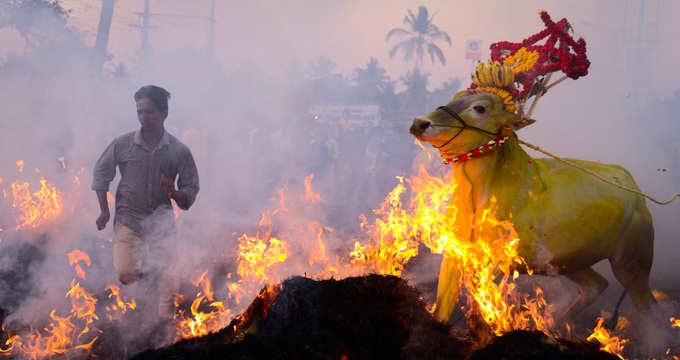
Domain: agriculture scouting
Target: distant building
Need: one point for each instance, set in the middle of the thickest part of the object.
(350, 116)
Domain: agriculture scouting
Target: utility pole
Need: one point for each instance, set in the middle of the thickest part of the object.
(145, 28)
(211, 36)
(146, 19)
(644, 47)
(103, 30)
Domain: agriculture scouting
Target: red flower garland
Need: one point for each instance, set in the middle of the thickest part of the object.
(559, 53)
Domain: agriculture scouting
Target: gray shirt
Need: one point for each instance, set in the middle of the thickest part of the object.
(139, 193)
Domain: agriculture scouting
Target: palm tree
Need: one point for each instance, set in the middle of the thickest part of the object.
(422, 34)
(371, 81)
(444, 93)
(416, 94)
(35, 20)
(325, 85)
(321, 67)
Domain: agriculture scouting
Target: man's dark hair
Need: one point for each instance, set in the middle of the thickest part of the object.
(156, 94)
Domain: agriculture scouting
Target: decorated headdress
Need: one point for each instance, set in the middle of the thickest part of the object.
(520, 71)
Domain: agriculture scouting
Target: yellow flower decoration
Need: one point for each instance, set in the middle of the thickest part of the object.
(522, 60)
(508, 101)
(493, 74)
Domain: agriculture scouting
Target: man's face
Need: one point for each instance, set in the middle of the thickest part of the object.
(148, 114)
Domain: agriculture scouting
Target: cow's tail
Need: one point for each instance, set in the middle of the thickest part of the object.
(611, 323)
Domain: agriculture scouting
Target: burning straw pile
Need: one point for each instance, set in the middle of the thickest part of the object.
(368, 317)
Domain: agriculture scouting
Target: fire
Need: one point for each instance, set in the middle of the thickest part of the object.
(675, 323)
(260, 257)
(260, 252)
(121, 306)
(318, 254)
(201, 323)
(76, 256)
(38, 207)
(62, 162)
(393, 244)
(76, 177)
(310, 195)
(420, 145)
(63, 334)
(20, 165)
(429, 217)
(83, 305)
(58, 340)
(611, 344)
(9, 345)
(389, 242)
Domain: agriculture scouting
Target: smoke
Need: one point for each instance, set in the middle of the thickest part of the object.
(244, 116)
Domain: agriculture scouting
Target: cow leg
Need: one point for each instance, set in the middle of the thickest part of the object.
(591, 285)
(631, 264)
(632, 260)
(448, 289)
(636, 282)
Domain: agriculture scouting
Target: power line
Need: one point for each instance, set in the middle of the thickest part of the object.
(146, 19)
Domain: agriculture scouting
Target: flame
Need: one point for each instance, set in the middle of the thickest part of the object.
(260, 252)
(63, 334)
(310, 195)
(201, 323)
(429, 217)
(57, 340)
(611, 344)
(9, 344)
(121, 305)
(675, 323)
(420, 145)
(318, 254)
(38, 207)
(203, 282)
(76, 256)
(83, 305)
(388, 243)
(76, 177)
(20, 165)
(282, 201)
(62, 162)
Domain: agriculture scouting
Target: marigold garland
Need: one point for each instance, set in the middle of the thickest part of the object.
(530, 62)
(508, 101)
(522, 60)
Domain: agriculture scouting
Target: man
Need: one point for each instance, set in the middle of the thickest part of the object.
(149, 160)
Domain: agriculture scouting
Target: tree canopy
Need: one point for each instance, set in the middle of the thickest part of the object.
(419, 37)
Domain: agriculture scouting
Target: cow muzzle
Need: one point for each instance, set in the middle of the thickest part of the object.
(419, 126)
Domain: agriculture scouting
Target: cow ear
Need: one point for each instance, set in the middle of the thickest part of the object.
(516, 122)
(520, 123)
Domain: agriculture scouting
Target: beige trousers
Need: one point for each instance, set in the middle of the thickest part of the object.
(130, 260)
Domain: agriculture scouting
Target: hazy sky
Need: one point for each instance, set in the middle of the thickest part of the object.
(242, 155)
(273, 33)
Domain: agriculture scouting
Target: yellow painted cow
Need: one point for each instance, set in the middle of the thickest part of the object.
(566, 220)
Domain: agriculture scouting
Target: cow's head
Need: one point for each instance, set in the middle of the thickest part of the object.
(468, 121)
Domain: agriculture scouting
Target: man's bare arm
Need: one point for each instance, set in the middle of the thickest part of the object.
(104, 214)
